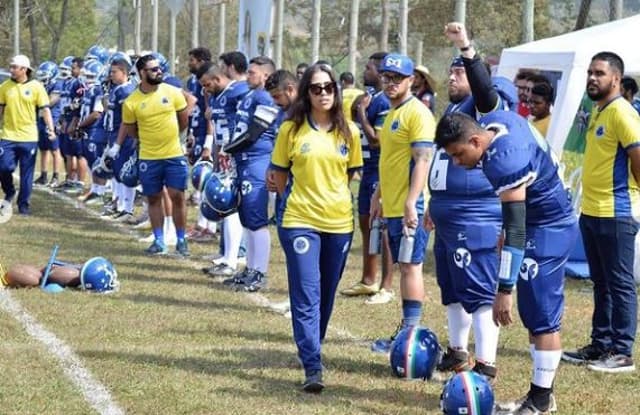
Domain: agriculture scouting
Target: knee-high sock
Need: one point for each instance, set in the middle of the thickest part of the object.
(259, 248)
(459, 323)
(232, 239)
(128, 195)
(486, 334)
(545, 364)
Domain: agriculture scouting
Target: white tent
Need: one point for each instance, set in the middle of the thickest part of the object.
(571, 54)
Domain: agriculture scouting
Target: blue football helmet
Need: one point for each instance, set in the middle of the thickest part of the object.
(98, 274)
(164, 64)
(221, 193)
(201, 172)
(467, 393)
(208, 212)
(128, 174)
(65, 67)
(121, 57)
(415, 353)
(47, 71)
(101, 170)
(98, 53)
(91, 72)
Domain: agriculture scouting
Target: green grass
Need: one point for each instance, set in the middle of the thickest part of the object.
(173, 342)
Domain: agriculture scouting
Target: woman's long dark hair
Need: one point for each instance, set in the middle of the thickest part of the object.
(301, 108)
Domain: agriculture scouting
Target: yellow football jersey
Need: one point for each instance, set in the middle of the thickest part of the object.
(21, 102)
(608, 186)
(155, 115)
(408, 125)
(317, 194)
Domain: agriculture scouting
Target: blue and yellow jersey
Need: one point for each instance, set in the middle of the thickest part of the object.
(21, 102)
(409, 125)
(155, 115)
(608, 186)
(317, 194)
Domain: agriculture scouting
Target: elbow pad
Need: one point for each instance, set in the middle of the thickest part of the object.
(245, 135)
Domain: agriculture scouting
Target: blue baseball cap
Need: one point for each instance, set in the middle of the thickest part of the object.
(457, 62)
(397, 63)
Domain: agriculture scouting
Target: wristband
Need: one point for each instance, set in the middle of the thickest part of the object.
(510, 262)
(208, 142)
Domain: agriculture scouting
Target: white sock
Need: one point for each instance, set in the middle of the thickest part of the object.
(250, 249)
(169, 227)
(202, 222)
(545, 365)
(128, 198)
(532, 351)
(486, 334)
(120, 205)
(459, 322)
(114, 189)
(232, 239)
(212, 226)
(261, 247)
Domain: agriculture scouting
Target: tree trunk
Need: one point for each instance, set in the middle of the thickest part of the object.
(404, 25)
(527, 21)
(384, 28)
(460, 14)
(615, 9)
(122, 23)
(583, 13)
(353, 35)
(315, 30)
(31, 10)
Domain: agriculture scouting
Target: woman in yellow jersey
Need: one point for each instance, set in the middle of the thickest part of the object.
(315, 155)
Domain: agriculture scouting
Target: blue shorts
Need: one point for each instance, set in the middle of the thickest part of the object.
(69, 147)
(541, 280)
(368, 186)
(92, 151)
(44, 144)
(394, 231)
(155, 174)
(467, 264)
(254, 200)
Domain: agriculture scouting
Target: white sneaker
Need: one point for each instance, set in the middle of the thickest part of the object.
(6, 211)
(147, 239)
(381, 297)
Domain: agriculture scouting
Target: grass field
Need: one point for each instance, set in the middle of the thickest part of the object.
(173, 342)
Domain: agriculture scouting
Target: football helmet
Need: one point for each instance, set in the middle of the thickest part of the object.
(415, 353)
(201, 172)
(98, 53)
(467, 393)
(47, 71)
(128, 174)
(102, 170)
(65, 67)
(164, 63)
(221, 193)
(208, 212)
(91, 72)
(121, 56)
(98, 274)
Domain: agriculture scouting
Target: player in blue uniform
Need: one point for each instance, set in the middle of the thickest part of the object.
(120, 89)
(198, 57)
(47, 73)
(252, 144)
(371, 112)
(466, 213)
(540, 230)
(70, 97)
(89, 128)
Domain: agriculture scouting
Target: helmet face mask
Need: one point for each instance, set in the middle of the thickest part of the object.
(47, 72)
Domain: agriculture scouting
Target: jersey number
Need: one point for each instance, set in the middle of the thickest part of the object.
(438, 174)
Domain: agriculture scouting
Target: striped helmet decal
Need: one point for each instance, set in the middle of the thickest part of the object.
(469, 385)
(410, 353)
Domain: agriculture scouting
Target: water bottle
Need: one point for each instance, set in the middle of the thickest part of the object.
(406, 246)
(375, 237)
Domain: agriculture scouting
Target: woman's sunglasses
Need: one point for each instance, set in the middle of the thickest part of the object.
(316, 89)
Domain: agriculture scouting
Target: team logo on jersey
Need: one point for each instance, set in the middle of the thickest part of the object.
(301, 245)
(143, 105)
(246, 187)
(223, 101)
(165, 100)
(247, 103)
(600, 131)
(462, 258)
(528, 269)
(343, 149)
(530, 244)
(143, 166)
(462, 236)
(27, 92)
(305, 148)
(395, 125)
(91, 147)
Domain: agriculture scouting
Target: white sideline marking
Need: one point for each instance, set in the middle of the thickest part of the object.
(93, 391)
(257, 298)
